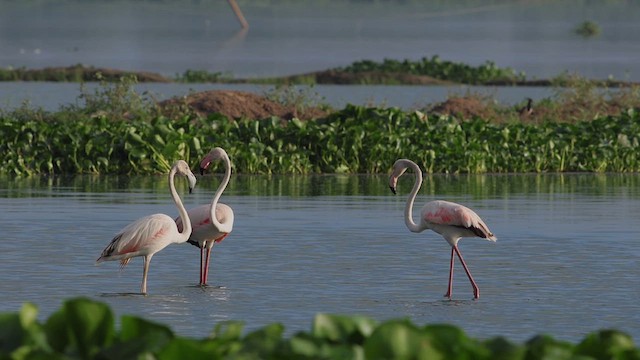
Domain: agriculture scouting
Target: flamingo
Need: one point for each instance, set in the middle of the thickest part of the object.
(452, 221)
(210, 228)
(150, 234)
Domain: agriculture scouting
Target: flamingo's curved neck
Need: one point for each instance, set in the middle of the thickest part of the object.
(184, 216)
(219, 191)
(408, 210)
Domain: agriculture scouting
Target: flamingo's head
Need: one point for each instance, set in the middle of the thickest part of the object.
(399, 167)
(216, 153)
(182, 168)
(392, 185)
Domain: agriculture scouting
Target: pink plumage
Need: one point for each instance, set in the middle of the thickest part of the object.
(451, 220)
(150, 234)
(206, 233)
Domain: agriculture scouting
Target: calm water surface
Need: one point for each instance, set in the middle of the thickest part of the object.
(286, 38)
(295, 37)
(565, 262)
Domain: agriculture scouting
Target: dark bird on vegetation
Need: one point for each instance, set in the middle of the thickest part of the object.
(527, 109)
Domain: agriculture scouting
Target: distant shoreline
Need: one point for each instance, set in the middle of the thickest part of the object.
(81, 73)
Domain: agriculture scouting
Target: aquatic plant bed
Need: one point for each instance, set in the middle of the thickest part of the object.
(353, 140)
(85, 329)
(118, 131)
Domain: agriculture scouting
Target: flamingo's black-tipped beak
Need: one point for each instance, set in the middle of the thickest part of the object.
(393, 189)
(190, 190)
(204, 164)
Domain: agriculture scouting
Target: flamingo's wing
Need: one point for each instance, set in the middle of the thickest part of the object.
(199, 217)
(203, 229)
(452, 214)
(137, 236)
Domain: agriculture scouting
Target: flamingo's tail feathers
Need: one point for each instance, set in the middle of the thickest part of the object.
(483, 232)
(194, 243)
(111, 248)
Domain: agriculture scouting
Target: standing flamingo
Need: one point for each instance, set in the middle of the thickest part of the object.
(210, 228)
(452, 221)
(150, 234)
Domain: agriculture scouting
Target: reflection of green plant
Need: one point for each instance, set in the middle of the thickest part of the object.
(85, 329)
(588, 29)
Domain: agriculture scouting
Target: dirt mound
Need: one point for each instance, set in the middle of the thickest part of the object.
(465, 108)
(240, 104)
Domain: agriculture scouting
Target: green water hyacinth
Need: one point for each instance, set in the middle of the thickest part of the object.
(353, 140)
(85, 329)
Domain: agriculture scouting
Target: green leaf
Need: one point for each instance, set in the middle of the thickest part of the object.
(264, 341)
(90, 325)
(138, 336)
(502, 349)
(196, 144)
(605, 344)
(138, 328)
(342, 329)
(399, 339)
(28, 315)
(182, 348)
(548, 348)
(11, 332)
(34, 336)
(56, 329)
(227, 330)
(454, 343)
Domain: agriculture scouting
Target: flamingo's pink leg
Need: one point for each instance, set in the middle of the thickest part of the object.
(206, 266)
(145, 272)
(476, 290)
(201, 263)
(450, 288)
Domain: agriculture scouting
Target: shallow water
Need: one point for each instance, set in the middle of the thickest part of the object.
(565, 262)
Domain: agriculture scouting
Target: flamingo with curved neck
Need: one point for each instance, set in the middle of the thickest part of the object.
(150, 234)
(452, 221)
(211, 223)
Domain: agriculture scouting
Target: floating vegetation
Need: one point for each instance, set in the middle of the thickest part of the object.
(354, 140)
(85, 329)
(117, 131)
(588, 29)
